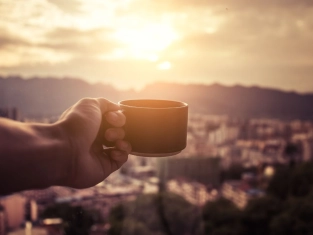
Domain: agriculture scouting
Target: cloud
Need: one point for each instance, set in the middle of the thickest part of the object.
(180, 4)
(16, 50)
(91, 42)
(235, 41)
(57, 46)
(247, 38)
(68, 6)
(121, 73)
(131, 73)
(8, 38)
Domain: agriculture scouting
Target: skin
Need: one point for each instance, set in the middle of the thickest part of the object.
(67, 153)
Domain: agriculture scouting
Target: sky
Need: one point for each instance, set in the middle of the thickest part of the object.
(131, 43)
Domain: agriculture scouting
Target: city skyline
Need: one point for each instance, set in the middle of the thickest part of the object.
(131, 43)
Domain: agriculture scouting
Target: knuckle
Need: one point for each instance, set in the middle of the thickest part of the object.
(88, 101)
(103, 100)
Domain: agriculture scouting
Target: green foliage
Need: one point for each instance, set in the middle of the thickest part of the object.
(279, 186)
(292, 181)
(287, 209)
(155, 214)
(258, 214)
(222, 217)
(77, 221)
(296, 219)
(301, 180)
(135, 227)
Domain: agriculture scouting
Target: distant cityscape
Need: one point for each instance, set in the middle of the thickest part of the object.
(225, 157)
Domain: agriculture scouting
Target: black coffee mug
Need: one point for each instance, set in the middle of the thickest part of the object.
(155, 128)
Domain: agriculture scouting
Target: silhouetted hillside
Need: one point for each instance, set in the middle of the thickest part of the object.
(49, 96)
(236, 100)
(52, 96)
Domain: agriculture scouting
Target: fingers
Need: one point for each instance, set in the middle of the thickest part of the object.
(120, 152)
(106, 105)
(114, 134)
(111, 160)
(118, 159)
(123, 145)
(116, 118)
(118, 155)
(120, 146)
(110, 130)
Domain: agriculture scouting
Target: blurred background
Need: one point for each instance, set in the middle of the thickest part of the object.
(245, 69)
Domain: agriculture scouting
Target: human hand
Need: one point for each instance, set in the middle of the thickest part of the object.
(89, 163)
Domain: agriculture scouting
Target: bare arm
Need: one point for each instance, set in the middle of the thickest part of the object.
(67, 153)
(29, 153)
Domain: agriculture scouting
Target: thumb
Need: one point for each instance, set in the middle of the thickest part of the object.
(107, 106)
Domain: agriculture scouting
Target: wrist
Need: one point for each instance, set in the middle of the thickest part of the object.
(33, 156)
(56, 149)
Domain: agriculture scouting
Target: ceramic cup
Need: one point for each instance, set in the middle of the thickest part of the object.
(155, 128)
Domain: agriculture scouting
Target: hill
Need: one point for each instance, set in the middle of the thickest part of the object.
(51, 96)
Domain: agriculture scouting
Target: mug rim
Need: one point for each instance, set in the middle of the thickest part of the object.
(182, 104)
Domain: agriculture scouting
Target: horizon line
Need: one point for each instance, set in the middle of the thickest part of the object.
(215, 83)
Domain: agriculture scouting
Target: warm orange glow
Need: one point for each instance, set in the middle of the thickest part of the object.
(164, 65)
(207, 41)
(148, 41)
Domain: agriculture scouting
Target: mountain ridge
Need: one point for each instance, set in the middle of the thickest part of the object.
(51, 96)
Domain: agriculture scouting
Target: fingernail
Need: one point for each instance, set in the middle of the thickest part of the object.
(113, 116)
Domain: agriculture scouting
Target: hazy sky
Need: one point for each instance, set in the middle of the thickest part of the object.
(133, 42)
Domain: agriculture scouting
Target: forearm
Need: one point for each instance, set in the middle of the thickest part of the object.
(31, 156)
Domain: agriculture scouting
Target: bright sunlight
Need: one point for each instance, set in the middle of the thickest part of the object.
(146, 42)
(164, 65)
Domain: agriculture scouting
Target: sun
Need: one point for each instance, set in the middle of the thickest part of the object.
(164, 65)
(147, 41)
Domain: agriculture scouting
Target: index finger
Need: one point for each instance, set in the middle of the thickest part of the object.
(117, 119)
(107, 106)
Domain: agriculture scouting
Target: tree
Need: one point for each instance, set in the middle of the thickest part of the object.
(258, 214)
(221, 217)
(291, 152)
(77, 221)
(155, 214)
(292, 181)
(296, 219)
(279, 186)
(301, 180)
